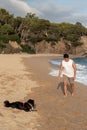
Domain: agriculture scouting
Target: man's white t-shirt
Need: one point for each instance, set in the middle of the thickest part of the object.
(68, 68)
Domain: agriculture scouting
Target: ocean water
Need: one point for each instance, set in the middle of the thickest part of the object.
(81, 64)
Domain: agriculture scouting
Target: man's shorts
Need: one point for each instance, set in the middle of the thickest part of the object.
(70, 79)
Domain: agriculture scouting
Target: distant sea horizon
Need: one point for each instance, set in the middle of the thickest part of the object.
(81, 64)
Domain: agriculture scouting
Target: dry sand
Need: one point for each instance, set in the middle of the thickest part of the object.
(15, 86)
(27, 76)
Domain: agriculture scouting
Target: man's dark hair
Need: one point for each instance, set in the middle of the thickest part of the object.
(66, 56)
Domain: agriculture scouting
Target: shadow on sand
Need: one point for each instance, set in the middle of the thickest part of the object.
(61, 85)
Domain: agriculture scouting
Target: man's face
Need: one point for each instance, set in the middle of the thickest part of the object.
(66, 59)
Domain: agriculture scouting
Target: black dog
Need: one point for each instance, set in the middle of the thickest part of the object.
(26, 106)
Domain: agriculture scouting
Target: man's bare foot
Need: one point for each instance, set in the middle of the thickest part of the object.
(72, 94)
(65, 95)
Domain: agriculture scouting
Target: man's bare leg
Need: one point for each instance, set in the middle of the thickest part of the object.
(72, 88)
(65, 88)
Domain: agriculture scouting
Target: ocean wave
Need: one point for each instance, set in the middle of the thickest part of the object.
(81, 67)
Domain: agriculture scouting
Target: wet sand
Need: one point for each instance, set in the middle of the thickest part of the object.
(56, 111)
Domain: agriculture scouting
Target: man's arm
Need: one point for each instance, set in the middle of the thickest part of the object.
(74, 67)
(60, 71)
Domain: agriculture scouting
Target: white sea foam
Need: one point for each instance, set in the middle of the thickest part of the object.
(54, 72)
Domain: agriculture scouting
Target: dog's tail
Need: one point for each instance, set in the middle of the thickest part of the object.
(6, 103)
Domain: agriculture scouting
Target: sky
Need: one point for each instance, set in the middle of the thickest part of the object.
(57, 11)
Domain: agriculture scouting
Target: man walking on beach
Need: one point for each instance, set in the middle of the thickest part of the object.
(68, 69)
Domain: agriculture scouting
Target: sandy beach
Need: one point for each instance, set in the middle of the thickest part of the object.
(27, 76)
(15, 86)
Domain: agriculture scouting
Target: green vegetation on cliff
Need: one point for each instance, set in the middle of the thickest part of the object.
(31, 29)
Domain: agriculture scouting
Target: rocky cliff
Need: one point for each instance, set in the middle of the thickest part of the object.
(49, 47)
(82, 50)
(62, 47)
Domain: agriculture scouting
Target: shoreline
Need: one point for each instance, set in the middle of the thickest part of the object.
(53, 56)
